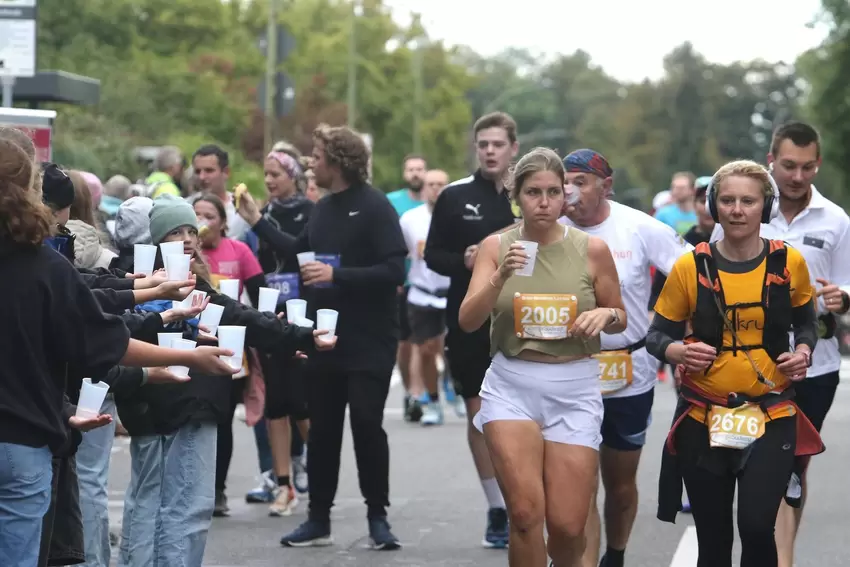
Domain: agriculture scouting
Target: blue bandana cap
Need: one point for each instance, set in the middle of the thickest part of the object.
(588, 161)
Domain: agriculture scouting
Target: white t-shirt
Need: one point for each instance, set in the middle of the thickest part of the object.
(637, 241)
(821, 232)
(414, 226)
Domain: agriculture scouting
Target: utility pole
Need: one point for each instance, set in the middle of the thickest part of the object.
(271, 64)
(418, 91)
(352, 64)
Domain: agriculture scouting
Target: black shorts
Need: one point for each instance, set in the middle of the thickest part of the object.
(286, 394)
(815, 395)
(426, 323)
(468, 356)
(403, 322)
(626, 421)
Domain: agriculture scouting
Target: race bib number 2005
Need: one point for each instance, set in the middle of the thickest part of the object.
(545, 317)
(735, 428)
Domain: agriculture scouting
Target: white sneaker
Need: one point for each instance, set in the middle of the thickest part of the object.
(432, 415)
(284, 503)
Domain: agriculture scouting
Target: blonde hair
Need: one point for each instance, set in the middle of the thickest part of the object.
(744, 168)
(535, 161)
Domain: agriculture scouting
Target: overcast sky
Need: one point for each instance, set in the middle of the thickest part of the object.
(628, 38)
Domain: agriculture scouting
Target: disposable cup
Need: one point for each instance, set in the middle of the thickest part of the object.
(306, 257)
(326, 321)
(177, 267)
(169, 248)
(91, 398)
(187, 303)
(164, 339)
(230, 288)
(530, 248)
(304, 322)
(181, 344)
(295, 308)
(268, 300)
(211, 317)
(144, 256)
(232, 337)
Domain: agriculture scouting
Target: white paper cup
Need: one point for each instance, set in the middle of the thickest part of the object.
(177, 267)
(91, 398)
(232, 337)
(295, 308)
(144, 256)
(268, 300)
(306, 258)
(530, 249)
(187, 303)
(164, 339)
(326, 321)
(181, 344)
(211, 317)
(169, 248)
(230, 288)
(304, 322)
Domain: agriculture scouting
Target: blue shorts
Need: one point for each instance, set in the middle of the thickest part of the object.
(626, 421)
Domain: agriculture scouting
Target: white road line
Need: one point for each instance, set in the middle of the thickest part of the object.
(688, 551)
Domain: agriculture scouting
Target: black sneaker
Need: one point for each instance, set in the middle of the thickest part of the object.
(380, 536)
(311, 533)
(221, 510)
(497, 534)
(414, 411)
(794, 492)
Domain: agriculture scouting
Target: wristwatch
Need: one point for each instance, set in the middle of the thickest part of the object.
(615, 317)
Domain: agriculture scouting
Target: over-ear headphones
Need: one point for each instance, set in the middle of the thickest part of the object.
(771, 202)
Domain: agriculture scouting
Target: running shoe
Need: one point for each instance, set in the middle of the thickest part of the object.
(311, 533)
(432, 414)
(264, 493)
(497, 533)
(414, 411)
(221, 509)
(299, 473)
(380, 535)
(284, 503)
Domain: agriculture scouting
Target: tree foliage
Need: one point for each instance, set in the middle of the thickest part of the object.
(187, 71)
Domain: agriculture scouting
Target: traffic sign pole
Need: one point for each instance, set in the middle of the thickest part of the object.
(8, 91)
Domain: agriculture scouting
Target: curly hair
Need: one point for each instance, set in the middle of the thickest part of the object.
(20, 138)
(24, 219)
(345, 149)
(535, 161)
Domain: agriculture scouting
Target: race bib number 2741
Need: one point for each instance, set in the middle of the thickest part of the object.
(546, 317)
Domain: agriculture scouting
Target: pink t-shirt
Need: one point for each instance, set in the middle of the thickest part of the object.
(232, 260)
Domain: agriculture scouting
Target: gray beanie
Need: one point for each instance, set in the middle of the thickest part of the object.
(168, 213)
(132, 222)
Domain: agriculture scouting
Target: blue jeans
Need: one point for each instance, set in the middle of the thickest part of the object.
(264, 450)
(169, 504)
(26, 474)
(93, 473)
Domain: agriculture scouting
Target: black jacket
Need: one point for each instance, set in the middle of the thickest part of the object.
(466, 212)
(359, 228)
(51, 327)
(289, 216)
(160, 409)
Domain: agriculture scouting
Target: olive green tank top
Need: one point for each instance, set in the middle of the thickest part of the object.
(535, 312)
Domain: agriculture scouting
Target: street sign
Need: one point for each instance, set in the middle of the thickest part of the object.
(17, 38)
(285, 43)
(284, 95)
(37, 124)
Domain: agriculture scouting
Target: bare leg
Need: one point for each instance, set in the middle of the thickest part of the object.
(592, 533)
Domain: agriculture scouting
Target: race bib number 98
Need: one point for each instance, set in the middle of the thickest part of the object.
(735, 428)
(544, 317)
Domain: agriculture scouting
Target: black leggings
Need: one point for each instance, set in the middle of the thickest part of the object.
(224, 441)
(762, 484)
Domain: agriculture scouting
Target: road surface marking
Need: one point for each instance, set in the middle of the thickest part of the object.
(688, 551)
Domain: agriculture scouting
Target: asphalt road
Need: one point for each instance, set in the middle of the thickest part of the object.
(438, 509)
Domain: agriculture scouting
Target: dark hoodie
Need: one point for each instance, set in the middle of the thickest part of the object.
(50, 327)
(289, 216)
